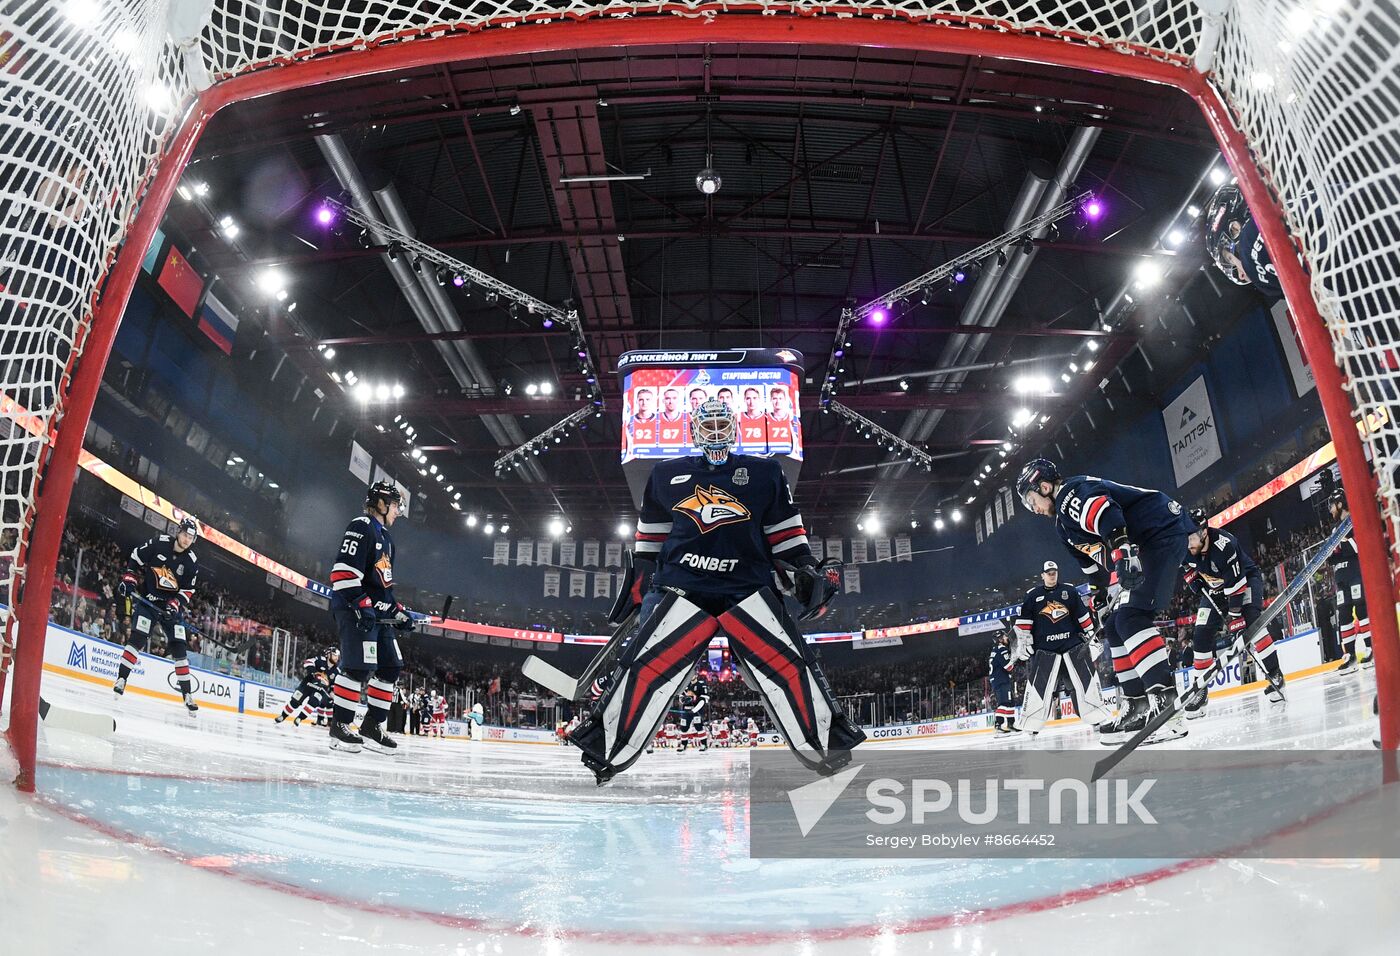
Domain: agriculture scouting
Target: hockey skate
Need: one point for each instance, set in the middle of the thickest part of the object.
(1195, 700)
(279, 718)
(1159, 700)
(190, 704)
(377, 739)
(1135, 715)
(1349, 664)
(1274, 692)
(1365, 656)
(343, 738)
(119, 687)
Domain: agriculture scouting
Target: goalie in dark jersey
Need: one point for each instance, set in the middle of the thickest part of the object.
(712, 530)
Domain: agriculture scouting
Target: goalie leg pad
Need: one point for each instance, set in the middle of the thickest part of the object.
(1084, 684)
(774, 657)
(1042, 677)
(639, 691)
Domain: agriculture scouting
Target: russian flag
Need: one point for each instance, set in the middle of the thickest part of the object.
(218, 321)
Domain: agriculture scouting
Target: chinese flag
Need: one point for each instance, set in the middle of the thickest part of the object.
(180, 281)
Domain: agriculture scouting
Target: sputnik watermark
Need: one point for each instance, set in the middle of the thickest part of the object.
(1169, 804)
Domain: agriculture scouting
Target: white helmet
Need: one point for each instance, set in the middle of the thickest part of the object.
(713, 429)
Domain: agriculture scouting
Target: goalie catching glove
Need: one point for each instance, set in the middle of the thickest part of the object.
(814, 586)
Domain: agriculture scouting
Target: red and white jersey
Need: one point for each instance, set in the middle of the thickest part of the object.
(440, 710)
(642, 433)
(780, 433)
(675, 432)
(753, 433)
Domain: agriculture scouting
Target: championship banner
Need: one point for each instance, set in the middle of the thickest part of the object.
(977, 526)
(987, 521)
(882, 549)
(1191, 432)
(568, 550)
(834, 549)
(551, 583)
(578, 584)
(360, 462)
(500, 552)
(1008, 502)
(602, 585)
(524, 552)
(903, 548)
(852, 578)
(544, 552)
(858, 551)
(998, 510)
(590, 554)
(614, 554)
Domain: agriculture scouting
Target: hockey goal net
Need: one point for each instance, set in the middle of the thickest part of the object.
(102, 101)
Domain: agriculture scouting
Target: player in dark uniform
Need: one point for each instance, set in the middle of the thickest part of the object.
(1234, 243)
(695, 703)
(1053, 631)
(999, 675)
(711, 530)
(1219, 569)
(1140, 536)
(367, 616)
(159, 584)
(316, 676)
(1353, 620)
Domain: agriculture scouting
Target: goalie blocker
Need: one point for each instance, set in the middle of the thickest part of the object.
(771, 653)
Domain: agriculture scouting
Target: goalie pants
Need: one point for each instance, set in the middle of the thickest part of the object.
(1209, 622)
(674, 634)
(1140, 660)
(143, 623)
(1043, 673)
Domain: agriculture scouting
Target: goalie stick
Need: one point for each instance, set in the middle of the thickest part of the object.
(1233, 653)
(78, 721)
(553, 679)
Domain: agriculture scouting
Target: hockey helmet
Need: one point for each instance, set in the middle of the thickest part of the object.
(1198, 517)
(1225, 216)
(385, 491)
(188, 525)
(1036, 471)
(713, 428)
(1337, 500)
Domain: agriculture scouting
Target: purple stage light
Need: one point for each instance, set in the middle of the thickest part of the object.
(582, 354)
(325, 215)
(459, 281)
(878, 317)
(840, 352)
(959, 276)
(1093, 209)
(548, 323)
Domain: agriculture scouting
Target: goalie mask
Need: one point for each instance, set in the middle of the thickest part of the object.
(713, 429)
(1224, 220)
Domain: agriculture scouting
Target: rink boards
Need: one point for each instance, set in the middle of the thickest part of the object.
(71, 654)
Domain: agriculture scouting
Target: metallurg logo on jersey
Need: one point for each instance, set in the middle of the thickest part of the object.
(1054, 610)
(713, 507)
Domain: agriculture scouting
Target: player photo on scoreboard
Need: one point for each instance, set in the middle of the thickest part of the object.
(672, 422)
(753, 420)
(782, 419)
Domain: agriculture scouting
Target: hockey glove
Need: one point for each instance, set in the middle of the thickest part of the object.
(128, 585)
(402, 618)
(174, 610)
(365, 616)
(1021, 647)
(1235, 623)
(636, 582)
(1127, 564)
(815, 586)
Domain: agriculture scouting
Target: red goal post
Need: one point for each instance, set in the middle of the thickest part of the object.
(104, 101)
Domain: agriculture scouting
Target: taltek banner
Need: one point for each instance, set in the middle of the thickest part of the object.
(1191, 432)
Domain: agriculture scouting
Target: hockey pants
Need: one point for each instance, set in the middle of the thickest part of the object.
(1042, 680)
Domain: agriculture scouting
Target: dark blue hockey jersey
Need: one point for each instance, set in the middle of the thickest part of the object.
(1050, 615)
(364, 566)
(1346, 562)
(1254, 257)
(1091, 512)
(999, 664)
(1224, 567)
(164, 572)
(318, 665)
(715, 529)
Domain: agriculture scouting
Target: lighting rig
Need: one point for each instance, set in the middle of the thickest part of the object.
(554, 434)
(447, 269)
(883, 436)
(877, 311)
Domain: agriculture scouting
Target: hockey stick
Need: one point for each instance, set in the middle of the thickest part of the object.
(78, 721)
(552, 678)
(1233, 653)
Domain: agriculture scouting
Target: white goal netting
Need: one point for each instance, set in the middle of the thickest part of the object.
(93, 91)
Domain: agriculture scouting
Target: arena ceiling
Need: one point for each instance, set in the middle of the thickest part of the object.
(846, 172)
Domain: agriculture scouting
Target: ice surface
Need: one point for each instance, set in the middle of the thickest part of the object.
(218, 832)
